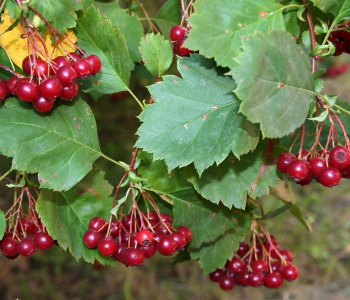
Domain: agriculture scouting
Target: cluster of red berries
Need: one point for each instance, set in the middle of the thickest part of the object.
(325, 167)
(263, 264)
(178, 36)
(50, 80)
(25, 238)
(133, 239)
(341, 41)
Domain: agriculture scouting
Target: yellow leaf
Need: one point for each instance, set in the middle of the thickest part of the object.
(17, 47)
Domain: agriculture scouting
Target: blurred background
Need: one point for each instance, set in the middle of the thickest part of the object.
(322, 256)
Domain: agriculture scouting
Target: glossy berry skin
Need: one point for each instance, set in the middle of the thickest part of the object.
(236, 265)
(66, 75)
(42, 104)
(27, 64)
(3, 91)
(165, 218)
(11, 84)
(83, 68)
(119, 254)
(91, 238)
(41, 69)
(186, 232)
(43, 241)
(27, 91)
(259, 265)
(99, 224)
(26, 247)
(50, 88)
(339, 47)
(226, 283)
(73, 57)
(149, 250)
(287, 255)
(179, 239)
(317, 164)
(339, 157)
(144, 237)
(273, 280)
(256, 279)
(283, 161)
(60, 61)
(177, 32)
(95, 62)
(133, 257)
(107, 246)
(290, 273)
(179, 49)
(216, 275)
(152, 216)
(299, 170)
(243, 249)
(115, 228)
(25, 224)
(243, 278)
(157, 235)
(329, 177)
(69, 92)
(9, 247)
(166, 245)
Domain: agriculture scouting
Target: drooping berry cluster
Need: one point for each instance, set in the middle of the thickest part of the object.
(262, 263)
(178, 35)
(325, 167)
(50, 80)
(136, 237)
(341, 40)
(24, 235)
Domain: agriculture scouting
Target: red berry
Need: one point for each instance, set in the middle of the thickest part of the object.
(9, 247)
(298, 170)
(329, 177)
(60, 61)
(133, 257)
(11, 84)
(166, 245)
(273, 280)
(236, 265)
(115, 228)
(144, 237)
(157, 235)
(149, 250)
(99, 224)
(41, 69)
(243, 249)
(152, 216)
(69, 92)
(339, 157)
(3, 91)
(339, 47)
(177, 32)
(179, 239)
(83, 68)
(50, 88)
(107, 246)
(42, 104)
(165, 218)
(290, 273)
(27, 64)
(119, 254)
(179, 50)
(95, 62)
(216, 275)
(27, 91)
(256, 279)
(73, 57)
(91, 238)
(259, 265)
(317, 164)
(347, 46)
(66, 75)
(186, 232)
(25, 224)
(226, 283)
(26, 247)
(287, 255)
(283, 161)
(243, 277)
(43, 241)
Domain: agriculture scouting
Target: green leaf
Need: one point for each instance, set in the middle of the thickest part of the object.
(128, 25)
(277, 211)
(60, 14)
(321, 117)
(195, 118)
(219, 27)
(158, 176)
(214, 255)
(6, 62)
(156, 54)
(275, 84)
(67, 214)
(168, 16)
(231, 181)
(339, 8)
(115, 72)
(60, 146)
(318, 85)
(2, 224)
(206, 220)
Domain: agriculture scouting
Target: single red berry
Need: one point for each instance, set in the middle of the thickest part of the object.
(298, 170)
(25, 224)
(290, 273)
(216, 275)
(9, 247)
(27, 91)
(186, 232)
(119, 254)
(115, 228)
(91, 238)
(95, 62)
(3, 91)
(43, 241)
(256, 279)
(107, 246)
(259, 265)
(339, 47)
(273, 280)
(166, 245)
(42, 104)
(243, 249)
(236, 265)
(26, 247)
(317, 164)
(69, 92)
(243, 278)
(11, 84)
(283, 161)
(165, 218)
(149, 250)
(177, 32)
(329, 177)
(226, 283)
(341, 35)
(339, 157)
(73, 57)
(133, 257)
(27, 64)
(179, 50)
(179, 239)
(99, 224)
(164, 228)
(41, 69)
(50, 88)
(152, 216)
(287, 255)
(83, 68)
(60, 61)
(157, 235)
(66, 75)
(144, 237)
